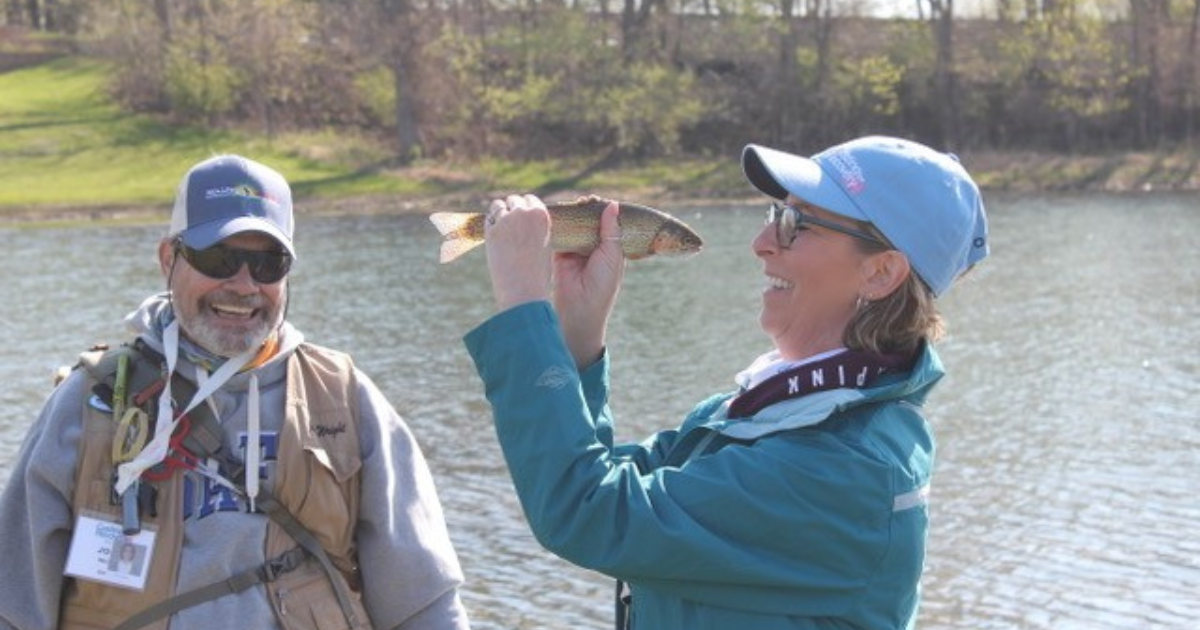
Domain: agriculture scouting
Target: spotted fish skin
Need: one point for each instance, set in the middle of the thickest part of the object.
(575, 227)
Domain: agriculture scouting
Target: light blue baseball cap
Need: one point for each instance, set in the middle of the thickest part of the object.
(230, 194)
(922, 200)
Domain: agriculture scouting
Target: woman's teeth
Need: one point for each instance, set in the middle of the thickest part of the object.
(778, 283)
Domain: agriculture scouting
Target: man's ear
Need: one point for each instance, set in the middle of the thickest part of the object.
(166, 256)
(884, 273)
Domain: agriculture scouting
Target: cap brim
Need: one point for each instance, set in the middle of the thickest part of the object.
(208, 234)
(777, 174)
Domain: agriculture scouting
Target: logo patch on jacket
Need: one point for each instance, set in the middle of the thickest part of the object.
(555, 377)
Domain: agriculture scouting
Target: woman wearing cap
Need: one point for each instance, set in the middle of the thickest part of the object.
(797, 500)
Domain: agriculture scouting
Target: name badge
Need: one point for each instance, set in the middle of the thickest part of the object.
(102, 552)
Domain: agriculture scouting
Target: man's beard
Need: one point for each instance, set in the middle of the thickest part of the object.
(196, 322)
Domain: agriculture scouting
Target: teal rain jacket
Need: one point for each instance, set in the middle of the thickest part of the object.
(810, 514)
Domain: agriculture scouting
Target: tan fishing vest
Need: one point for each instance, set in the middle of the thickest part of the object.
(316, 479)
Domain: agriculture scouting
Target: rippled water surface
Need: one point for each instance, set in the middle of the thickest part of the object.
(1069, 424)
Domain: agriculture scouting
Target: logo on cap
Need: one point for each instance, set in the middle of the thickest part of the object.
(850, 172)
(243, 191)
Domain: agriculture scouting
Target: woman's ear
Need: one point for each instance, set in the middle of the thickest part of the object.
(884, 272)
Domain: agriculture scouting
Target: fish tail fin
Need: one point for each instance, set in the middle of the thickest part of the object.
(462, 231)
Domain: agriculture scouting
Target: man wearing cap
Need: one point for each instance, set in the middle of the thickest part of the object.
(797, 500)
(270, 483)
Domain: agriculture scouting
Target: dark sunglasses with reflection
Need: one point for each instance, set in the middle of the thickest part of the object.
(789, 221)
(220, 262)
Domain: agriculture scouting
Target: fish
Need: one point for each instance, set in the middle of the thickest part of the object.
(575, 227)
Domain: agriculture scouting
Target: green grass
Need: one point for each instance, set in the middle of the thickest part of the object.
(64, 142)
(65, 145)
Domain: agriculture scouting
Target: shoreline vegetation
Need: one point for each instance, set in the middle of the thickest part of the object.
(69, 154)
(998, 173)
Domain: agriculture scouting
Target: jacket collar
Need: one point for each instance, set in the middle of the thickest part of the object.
(912, 387)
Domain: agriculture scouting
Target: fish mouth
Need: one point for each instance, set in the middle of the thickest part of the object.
(676, 243)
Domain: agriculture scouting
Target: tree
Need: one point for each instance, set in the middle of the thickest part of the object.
(639, 40)
(403, 59)
(1188, 93)
(941, 19)
(1145, 23)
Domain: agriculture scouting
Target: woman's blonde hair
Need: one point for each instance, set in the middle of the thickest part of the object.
(899, 322)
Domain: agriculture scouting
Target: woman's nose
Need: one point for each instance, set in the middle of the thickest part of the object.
(765, 241)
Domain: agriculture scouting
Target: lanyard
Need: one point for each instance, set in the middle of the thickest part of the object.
(156, 450)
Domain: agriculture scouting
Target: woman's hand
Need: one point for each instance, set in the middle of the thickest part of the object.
(585, 290)
(517, 238)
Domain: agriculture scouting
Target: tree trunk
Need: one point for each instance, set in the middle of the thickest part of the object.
(51, 20)
(1032, 11)
(636, 37)
(34, 14)
(788, 124)
(823, 18)
(162, 10)
(1191, 108)
(941, 14)
(408, 132)
(479, 123)
(1144, 21)
(628, 28)
(402, 62)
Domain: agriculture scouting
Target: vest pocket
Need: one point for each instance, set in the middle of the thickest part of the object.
(305, 600)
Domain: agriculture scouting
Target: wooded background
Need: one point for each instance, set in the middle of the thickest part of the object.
(635, 78)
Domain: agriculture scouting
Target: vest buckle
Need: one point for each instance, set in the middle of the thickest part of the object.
(284, 563)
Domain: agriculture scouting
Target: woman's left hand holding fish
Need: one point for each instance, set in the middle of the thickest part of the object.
(585, 290)
(518, 250)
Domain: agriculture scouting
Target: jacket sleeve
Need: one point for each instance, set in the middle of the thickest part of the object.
(645, 455)
(410, 571)
(801, 514)
(35, 512)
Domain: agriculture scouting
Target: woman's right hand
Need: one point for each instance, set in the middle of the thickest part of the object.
(517, 238)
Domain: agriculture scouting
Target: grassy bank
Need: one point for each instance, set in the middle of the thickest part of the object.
(67, 151)
(65, 144)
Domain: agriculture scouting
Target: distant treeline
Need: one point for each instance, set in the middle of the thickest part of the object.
(530, 78)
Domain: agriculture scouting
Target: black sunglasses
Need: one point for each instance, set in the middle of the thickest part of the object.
(789, 221)
(221, 263)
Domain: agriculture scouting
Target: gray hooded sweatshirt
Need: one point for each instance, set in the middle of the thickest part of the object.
(409, 568)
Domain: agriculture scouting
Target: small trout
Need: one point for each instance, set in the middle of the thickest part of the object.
(575, 227)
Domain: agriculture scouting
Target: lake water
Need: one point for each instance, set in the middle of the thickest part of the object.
(1069, 425)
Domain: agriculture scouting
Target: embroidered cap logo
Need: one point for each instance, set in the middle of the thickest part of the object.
(244, 191)
(848, 170)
